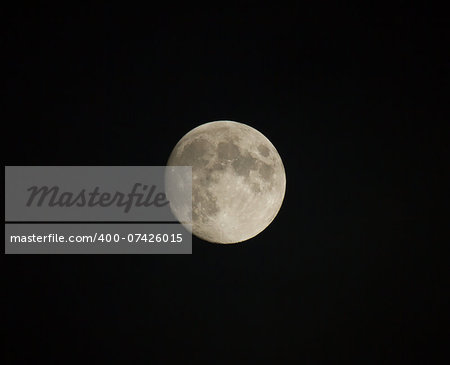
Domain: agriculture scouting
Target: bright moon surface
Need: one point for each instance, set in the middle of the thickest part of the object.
(238, 180)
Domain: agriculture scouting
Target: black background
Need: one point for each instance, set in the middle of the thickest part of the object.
(351, 97)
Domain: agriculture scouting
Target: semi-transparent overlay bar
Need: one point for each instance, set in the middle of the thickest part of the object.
(98, 193)
(97, 238)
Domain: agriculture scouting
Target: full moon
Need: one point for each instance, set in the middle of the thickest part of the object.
(238, 180)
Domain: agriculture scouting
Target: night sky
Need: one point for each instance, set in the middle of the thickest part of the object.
(352, 267)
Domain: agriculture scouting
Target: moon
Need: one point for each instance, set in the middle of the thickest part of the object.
(238, 180)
